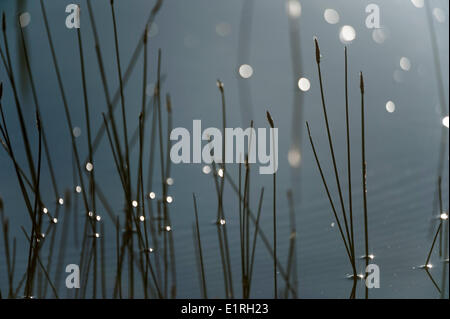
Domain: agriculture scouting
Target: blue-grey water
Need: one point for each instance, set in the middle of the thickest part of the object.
(202, 41)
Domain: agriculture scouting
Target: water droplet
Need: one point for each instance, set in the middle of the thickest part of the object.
(98, 218)
(24, 19)
(418, 3)
(444, 216)
(405, 64)
(76, 131)
(352, 276)
(347, 34)
(169, 199)
(222, 221)
(390, 106)
(294, 157)
(152, 195)
(220, 172)
(45, 210)
(134, 203)
(380, 35)
(439, 15)
(445, 121)
(168, 228)
(55, 220)
(89, 166)
(427, 266)
(245, 71)
(206, 169)
(61, 201)
(331, 16)
(304, 84)
(141, 218)
(78, 189)
(294, 9)
(169, 181)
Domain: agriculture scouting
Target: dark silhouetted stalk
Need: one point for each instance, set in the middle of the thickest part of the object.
(364, 180)
(270, 120)
(199, 243)
(330, 142)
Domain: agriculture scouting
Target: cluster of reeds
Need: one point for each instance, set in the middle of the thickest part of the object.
(344, 216)
(145, 248)
(144, 218)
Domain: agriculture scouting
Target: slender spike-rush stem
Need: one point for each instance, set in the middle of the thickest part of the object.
(129, 209)
(220, 237)
(349, 169)
(432, 245)
(261, 232)
(129, 69)
(255, 237)
(42, 267)
(292, 246)
(328, 193)
(28, 290)
(122, 97)
(270, 120)
(440, 212)
(91, 160)
(364, 180)
(444, 280)
(65, 104)
(202, 267)
(426, 265)
(36, 102)
(32, 212)
(221, 213)
(9, 69)
(330, 142)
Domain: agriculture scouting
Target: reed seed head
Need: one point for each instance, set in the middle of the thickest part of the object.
(269, 119)
(361, 82)
(316, 43)
(146, 34)
(157, 6)
(220, 85)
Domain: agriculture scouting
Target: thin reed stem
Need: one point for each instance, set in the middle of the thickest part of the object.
(364, 181)
(330, 142)
(199, 243)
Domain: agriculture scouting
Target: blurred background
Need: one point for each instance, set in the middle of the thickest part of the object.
(263, 52)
